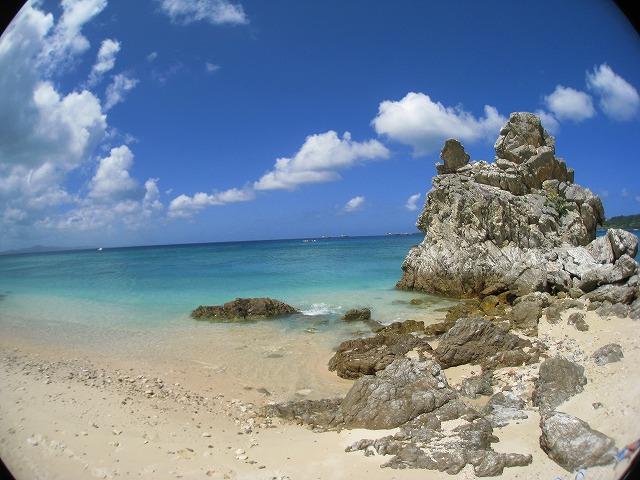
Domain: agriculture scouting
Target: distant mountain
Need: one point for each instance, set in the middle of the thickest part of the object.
(623, 221)
(42, 249)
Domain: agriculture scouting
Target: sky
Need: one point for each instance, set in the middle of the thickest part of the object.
(179, 121)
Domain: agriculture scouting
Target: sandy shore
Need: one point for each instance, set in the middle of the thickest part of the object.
(185, 406)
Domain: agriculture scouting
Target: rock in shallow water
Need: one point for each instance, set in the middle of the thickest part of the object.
(357, 314)
(243, 309)
(573, 444)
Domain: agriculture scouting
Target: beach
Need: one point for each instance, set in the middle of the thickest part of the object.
(188, 406)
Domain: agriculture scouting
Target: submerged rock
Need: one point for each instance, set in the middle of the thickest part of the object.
(573, 444)
(357, 314)
(244, 309)
(558, 380)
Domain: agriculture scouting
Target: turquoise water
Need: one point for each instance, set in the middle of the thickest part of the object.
(144, 286)
(158, 284)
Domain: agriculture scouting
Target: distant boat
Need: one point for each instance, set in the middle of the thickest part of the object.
(99, 249)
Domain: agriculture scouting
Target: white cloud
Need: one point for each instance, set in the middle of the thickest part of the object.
(318, 161)
(152, 56)
(66, 40)
(117, 89)
(618, 98)
(112, 180)
(356, 203)
(423, 124)
(412, 202)
(184, 206)
(549, 122)
(211, 67)
(216, 12)
(567, 103)
(105, 60)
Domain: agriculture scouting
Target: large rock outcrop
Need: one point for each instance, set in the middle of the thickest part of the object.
(519, 221)
(243, 309)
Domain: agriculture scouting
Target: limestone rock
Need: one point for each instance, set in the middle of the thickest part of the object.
(573, 444)
(453, 157)
(622, 242)
(558, 380)
(504, 407)
(471, 387)
(578, 321)
(525, 316)
(472, 340)
(244, 309)
(610, 353)
(357, 314)
(612, 294)
(366, 356)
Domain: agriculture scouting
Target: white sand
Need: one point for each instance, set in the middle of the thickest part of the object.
(55, 425)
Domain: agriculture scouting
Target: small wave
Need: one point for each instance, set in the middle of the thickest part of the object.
(321, 309)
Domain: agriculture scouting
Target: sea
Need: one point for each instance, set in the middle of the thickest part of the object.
(158, 286)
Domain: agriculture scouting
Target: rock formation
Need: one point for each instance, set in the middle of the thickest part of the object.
(519, 222)
(243, 309)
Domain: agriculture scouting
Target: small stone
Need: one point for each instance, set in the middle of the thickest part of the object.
(206, 434)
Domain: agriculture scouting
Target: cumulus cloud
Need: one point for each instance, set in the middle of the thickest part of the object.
(211, 67)
(567, 103)
(184, 206)
(356, 203)
(412, 202)
(423, 124)
(318, 161)
(105, 60)
(112, 179)
(118, 89)
(216, 12)
(618, 98)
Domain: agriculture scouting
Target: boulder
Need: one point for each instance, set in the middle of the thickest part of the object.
(573, 444)
(453, 157)
(612, 293)
(357, 314)
(624, 267)
(471, 387)
(366, 356)
(608, 309)
(634, 309)
(504, 407)
(610, 353)
(471, 340)
(558, 380)
(243, 309)
(622, 242)
(578, 321)
(601, 251)
(525, 316)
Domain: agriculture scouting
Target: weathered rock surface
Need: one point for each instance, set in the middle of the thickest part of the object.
(244, 309)
(519, 222)
(357, 314)
(366, 356)
(558, 380)
(578, 320)
(504, 407)
(471, 387)
(573, 444)
(610, 353)
(472, 340)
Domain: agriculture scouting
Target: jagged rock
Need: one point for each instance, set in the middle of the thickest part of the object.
(425, 443)
(558, 380)
(608, 309)
(622, 242)
(471, 340)
(525, 316)
(601, 251)
(494, 224)
(453, 157)
(395, 395)
(323, 413)
(399, 328)
(357, 314)
(366, 356)
(577, 320)
(504, 407)
(634, 309)
(610, 353)
(624, 267)
(573, 444)
(477, 385)
(243, 309)
(612, 294)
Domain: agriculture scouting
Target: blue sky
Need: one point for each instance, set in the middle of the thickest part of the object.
(165, 121)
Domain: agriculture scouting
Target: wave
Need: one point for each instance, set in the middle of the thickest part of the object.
(321, 309)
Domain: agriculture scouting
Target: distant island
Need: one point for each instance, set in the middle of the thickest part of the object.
(623, 221)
